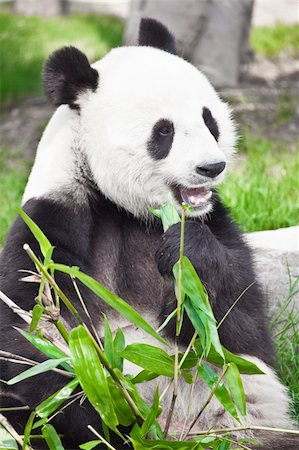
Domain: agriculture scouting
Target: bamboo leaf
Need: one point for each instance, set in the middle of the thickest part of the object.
(119, 345)
(108, 342)
(188, 377)
(122, 409)
(111, 299)
(235, 387)
(212, 333)
(45, 346)
(152, 415)
(53, 402)
(27, 431)
(42, 367)
(211, 378)
(91, 375)
(167, 445)
(198, 325)
(37, 313)
(168, 214)
(7, 442)
(131, 388)
(90, 445)
(193, 286)
(213, 357)
(51, 437)
(201, 312)
(150, 358)
(190, 361)
(224, 445)
(143, 376)
(45, 245)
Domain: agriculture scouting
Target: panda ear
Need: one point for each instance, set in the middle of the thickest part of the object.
(66, 74)
(154, 34)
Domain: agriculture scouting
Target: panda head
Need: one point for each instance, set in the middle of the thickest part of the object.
(148, 123)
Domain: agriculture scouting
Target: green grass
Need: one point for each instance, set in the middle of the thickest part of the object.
(285, 330)
(13, 176)
(271, 41)
(263, 193)
(27, 41)
(286, 108)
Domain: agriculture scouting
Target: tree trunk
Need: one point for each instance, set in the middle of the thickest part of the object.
(44, 8)
(212, 34)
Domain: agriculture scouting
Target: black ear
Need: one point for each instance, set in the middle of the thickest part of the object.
(66, 73)
(154, 34)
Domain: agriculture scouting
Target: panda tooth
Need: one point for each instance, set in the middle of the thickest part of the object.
(208, 195)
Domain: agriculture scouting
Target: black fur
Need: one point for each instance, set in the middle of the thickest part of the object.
(66, 74)
(161, 139)
(111, 245)
(210, 122)
(154, 34)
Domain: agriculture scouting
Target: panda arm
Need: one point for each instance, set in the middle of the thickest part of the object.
(68, 229)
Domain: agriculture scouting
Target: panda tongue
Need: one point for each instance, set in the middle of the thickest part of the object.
(195, 196)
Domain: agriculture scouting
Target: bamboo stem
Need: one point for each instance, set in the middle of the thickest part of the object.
(62, 330)
(27, 318)
(101, 438)
(10, 429)
(86, 312)
(207, 401)
(255, 428)
(53, 283)
(178, 326)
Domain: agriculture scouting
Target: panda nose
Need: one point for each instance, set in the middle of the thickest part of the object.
(211, 170)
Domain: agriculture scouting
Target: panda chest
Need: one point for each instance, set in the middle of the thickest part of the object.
(125, 264)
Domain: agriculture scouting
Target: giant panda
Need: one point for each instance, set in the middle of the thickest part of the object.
(133, 129)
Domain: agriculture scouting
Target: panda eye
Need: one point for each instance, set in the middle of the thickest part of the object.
(161, 138)
(166, 130)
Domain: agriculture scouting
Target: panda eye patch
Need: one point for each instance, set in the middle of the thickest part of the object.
(161, 139)
(210, 122)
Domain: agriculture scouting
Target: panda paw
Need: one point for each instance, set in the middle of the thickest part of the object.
(169, 251)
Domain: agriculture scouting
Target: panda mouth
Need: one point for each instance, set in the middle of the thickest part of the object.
(197, 198)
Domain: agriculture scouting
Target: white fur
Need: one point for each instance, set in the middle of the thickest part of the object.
(267, 398)
(53, 168)
(137, 87)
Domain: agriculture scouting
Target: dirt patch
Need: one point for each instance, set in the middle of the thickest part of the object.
(267, 100)
(22, 125)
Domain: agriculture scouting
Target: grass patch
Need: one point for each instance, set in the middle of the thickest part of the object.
(286, 321)
(13, 176)
(27, 41)
(262, 193)
(271, 41)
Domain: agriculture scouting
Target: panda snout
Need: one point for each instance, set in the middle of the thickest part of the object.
(210, 170)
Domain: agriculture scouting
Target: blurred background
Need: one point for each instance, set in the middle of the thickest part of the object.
(249, 49)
